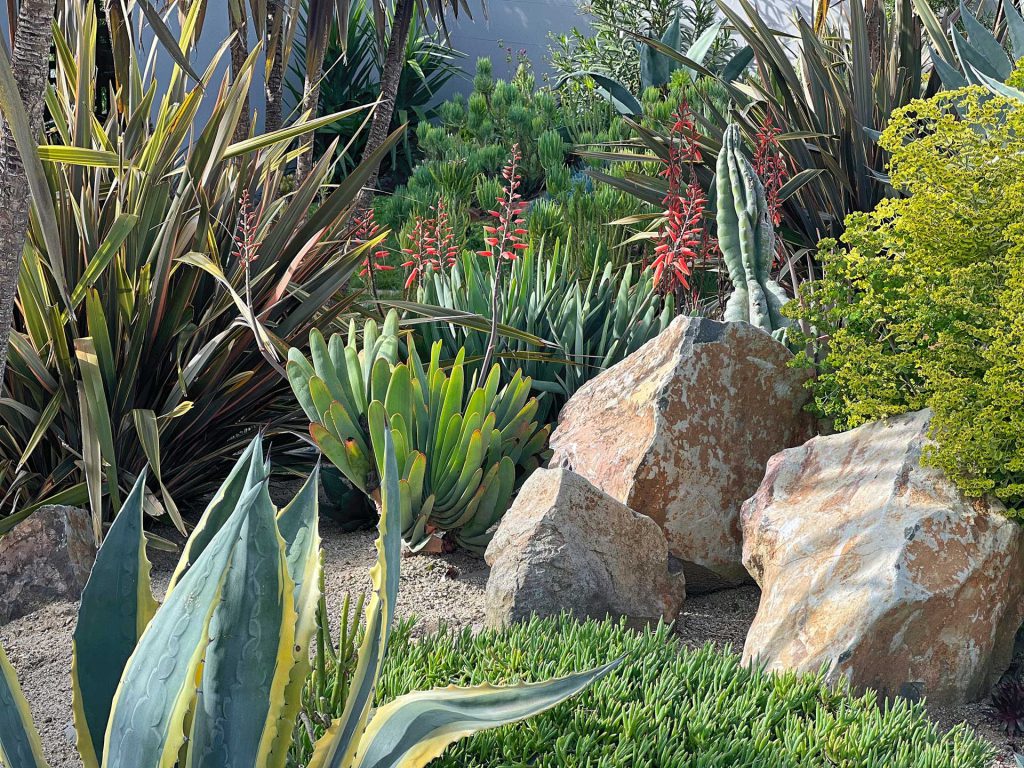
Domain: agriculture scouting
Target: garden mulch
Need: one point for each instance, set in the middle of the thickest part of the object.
(446, 589)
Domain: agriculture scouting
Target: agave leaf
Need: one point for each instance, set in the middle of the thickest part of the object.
(117, 606)
(249, 660)
(414, 729)
(700, 48)
(1000, 88)
(1015, 26)
(20, 746)
(985, 44)
(220, 508)
(160, 679)
(337, 747)
(299, 525)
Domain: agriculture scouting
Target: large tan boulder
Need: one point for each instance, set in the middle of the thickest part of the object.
(566, 546)
(681, 430)
(44, 559)
(879, 568)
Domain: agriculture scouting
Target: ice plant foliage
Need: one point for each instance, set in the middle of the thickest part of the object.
(683, 238)
(505, 236)
(247, 244)
(432, 246)
(367, 229)
(771, 166)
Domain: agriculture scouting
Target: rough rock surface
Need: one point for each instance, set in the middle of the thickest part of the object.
(566, 546)
(878, 567)
(44, 559)
(681, 431)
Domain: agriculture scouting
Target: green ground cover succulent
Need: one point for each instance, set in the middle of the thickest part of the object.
(668, 706)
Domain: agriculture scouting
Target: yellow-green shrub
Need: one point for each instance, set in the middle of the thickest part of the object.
(921, 302)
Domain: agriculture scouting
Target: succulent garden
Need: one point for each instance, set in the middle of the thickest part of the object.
(654, 402)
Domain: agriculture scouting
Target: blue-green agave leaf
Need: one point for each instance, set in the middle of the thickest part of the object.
(337, 747)
(159, 683)
(20, 746)
(414, 729)
(117, 606)
(249, 659)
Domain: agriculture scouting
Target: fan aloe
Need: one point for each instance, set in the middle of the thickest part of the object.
(746, 238)
(462, 448)
(226, 655)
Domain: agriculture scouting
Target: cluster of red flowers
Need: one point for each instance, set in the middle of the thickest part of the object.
(506, 238)
(432, 245)
(246, 245)
(683, 239)
(366, 229)
(771, 166)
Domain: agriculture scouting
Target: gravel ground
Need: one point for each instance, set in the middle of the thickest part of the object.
(446, 589)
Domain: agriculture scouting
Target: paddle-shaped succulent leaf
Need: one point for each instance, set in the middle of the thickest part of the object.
(412, 730)
(746, 237)
(462, 446)
(20, 746)
(121, 604)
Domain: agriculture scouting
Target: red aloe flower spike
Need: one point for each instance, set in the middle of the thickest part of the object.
(364, 230)
(771, 165)
(506, 236)
(683, 239)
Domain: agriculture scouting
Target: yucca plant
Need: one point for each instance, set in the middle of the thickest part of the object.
(594, 321)
(462, 449)
(162, 285)
(224, 659)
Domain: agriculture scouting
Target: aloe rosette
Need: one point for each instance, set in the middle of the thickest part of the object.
(462, 446)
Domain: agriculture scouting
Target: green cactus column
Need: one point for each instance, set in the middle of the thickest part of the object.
(747, 240)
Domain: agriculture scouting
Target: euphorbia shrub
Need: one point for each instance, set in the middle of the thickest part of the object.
(922, 302)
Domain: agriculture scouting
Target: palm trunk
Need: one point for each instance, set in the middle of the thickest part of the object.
(316, 49)
(31, 64)
(274, 87)
(239, 53)
(394, 63)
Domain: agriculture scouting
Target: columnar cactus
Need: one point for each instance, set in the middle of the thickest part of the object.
(747, 240)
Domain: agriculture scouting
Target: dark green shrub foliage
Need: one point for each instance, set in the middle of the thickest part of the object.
(668, 707)
(921, 304)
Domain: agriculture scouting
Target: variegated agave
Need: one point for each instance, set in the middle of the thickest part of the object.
(226, 655)
(462, 449)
